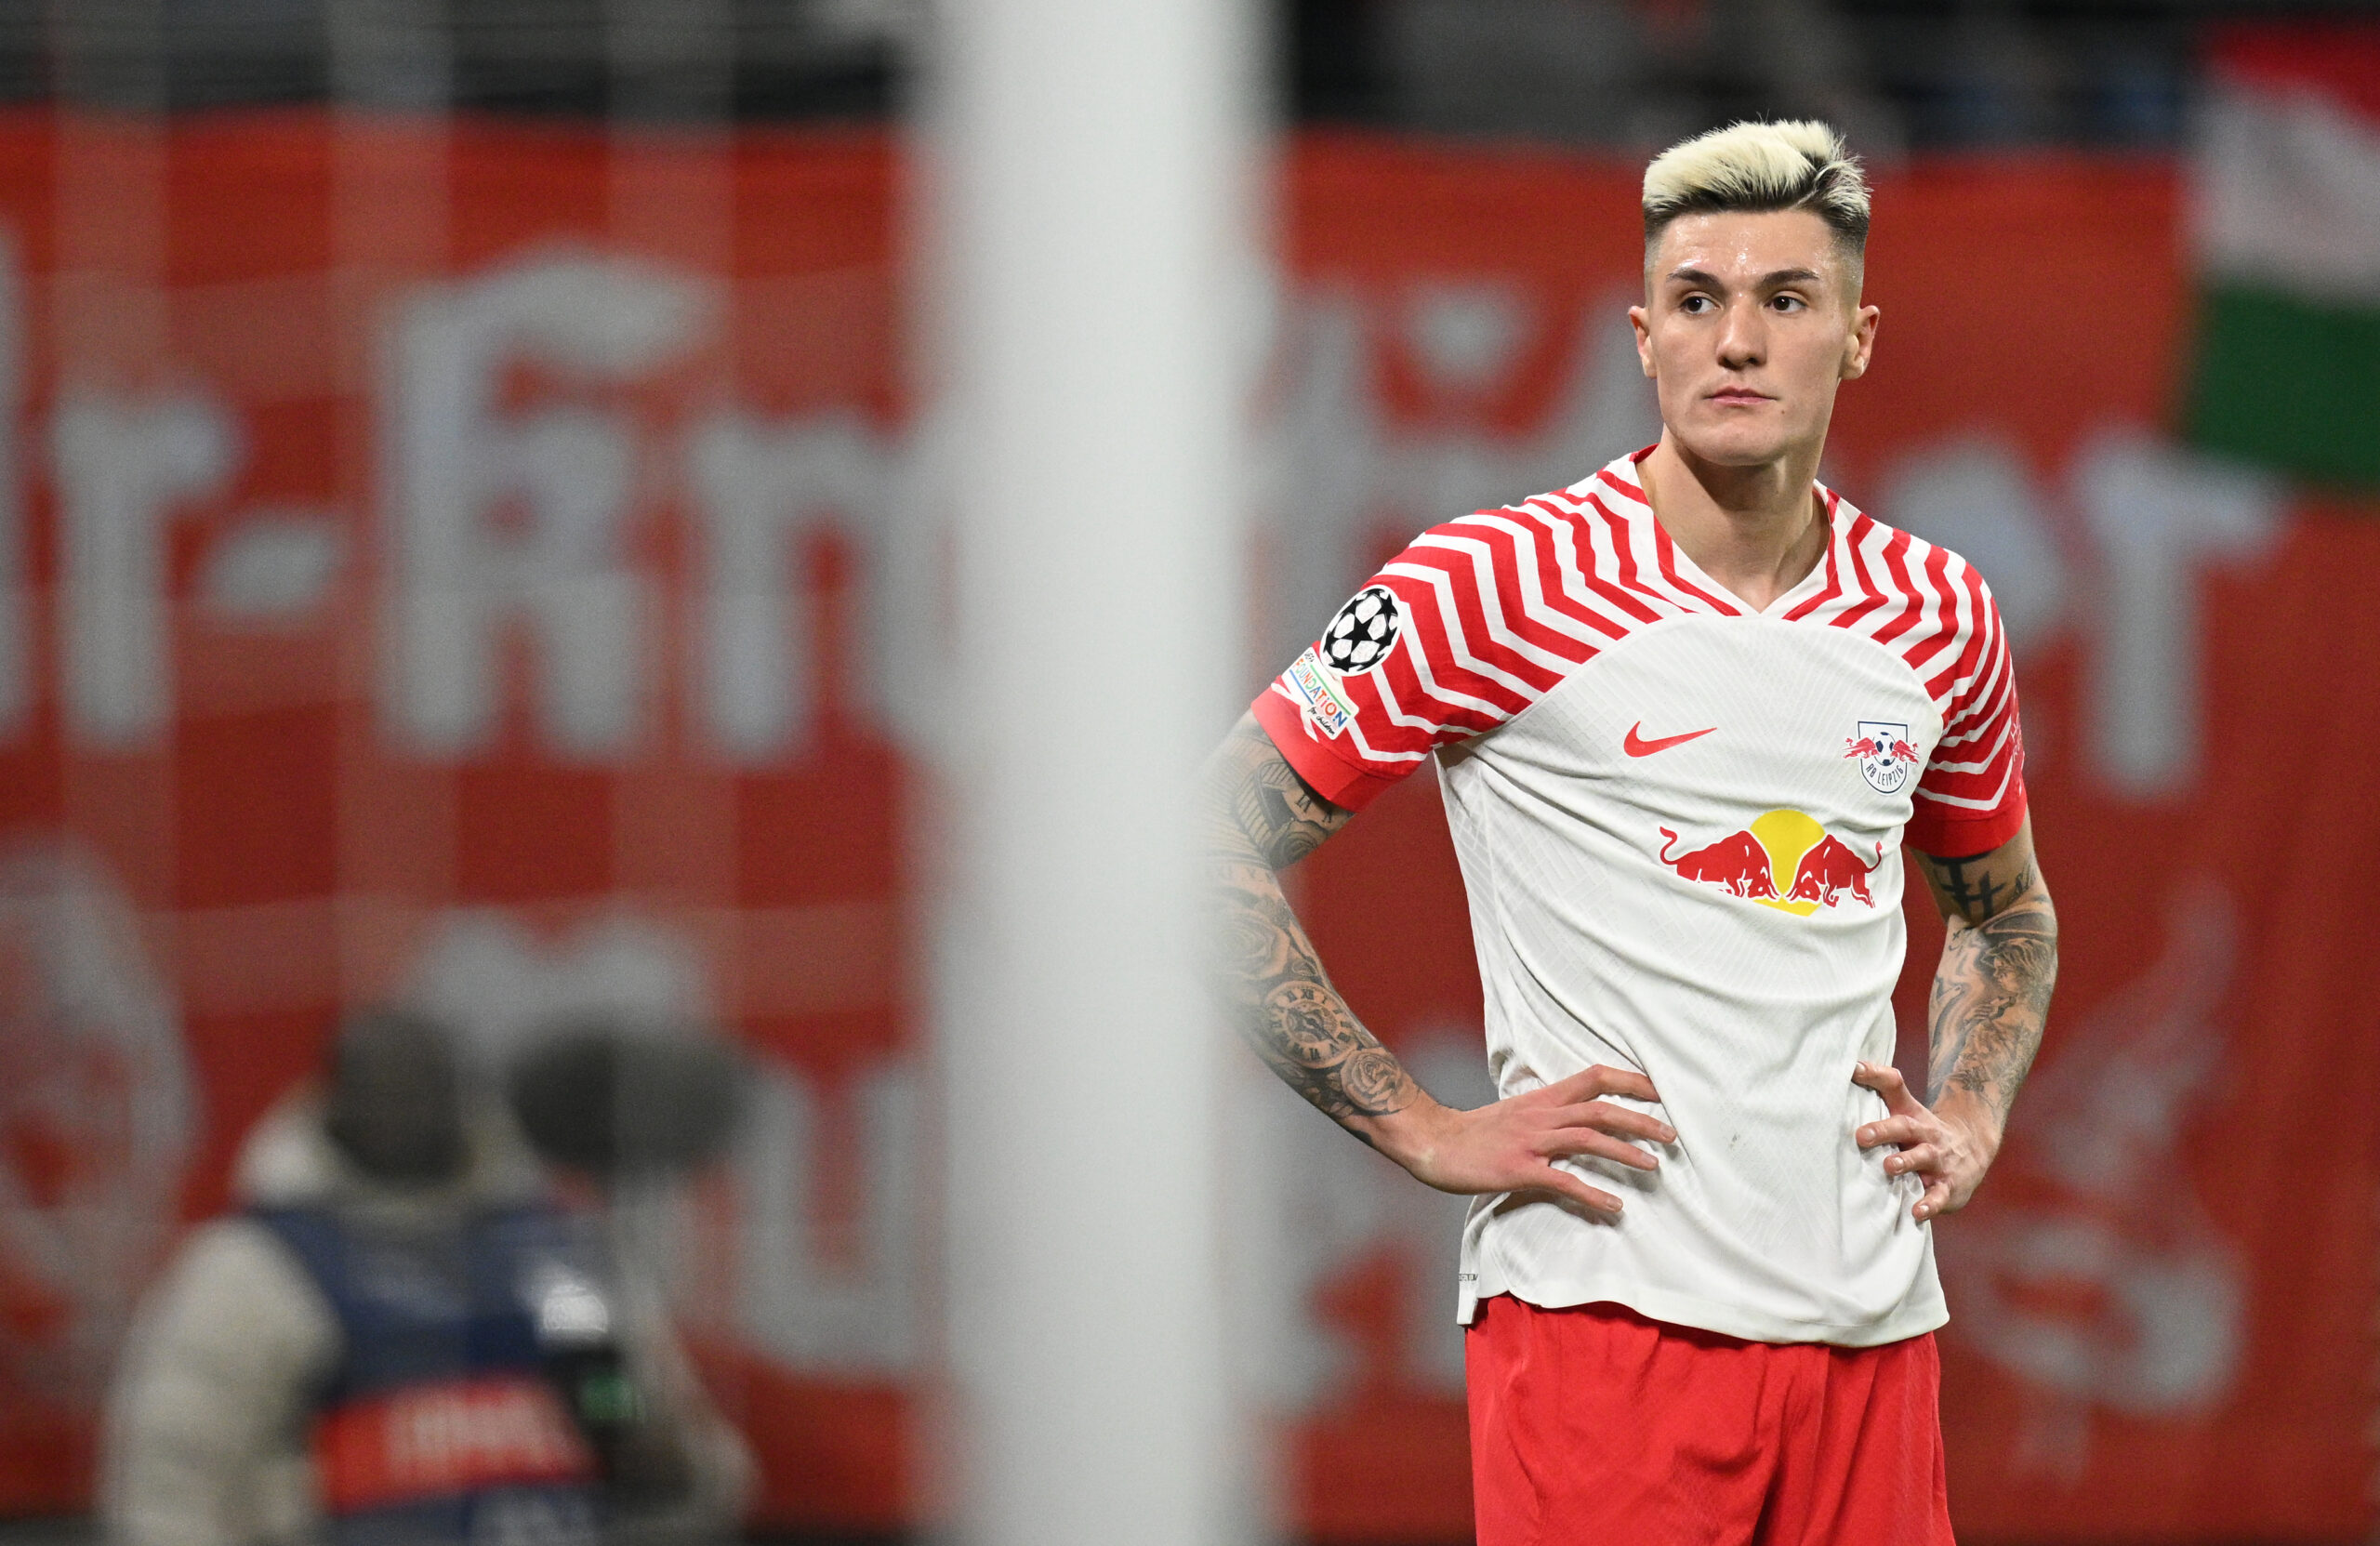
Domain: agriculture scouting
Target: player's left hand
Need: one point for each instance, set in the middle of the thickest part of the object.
(1949, 1149)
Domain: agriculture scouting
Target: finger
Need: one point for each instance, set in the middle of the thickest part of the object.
(1936, 1201)
(1903, 1130)
(1563, 1183)
(1624, 1081)
(1616, 1119)
(1573, 1143)
(1887, 1080)
(1925, 1158)
(1580, 1086)
(1588, 1083)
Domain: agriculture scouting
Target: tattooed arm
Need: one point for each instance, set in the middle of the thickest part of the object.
(1990, 1001)
(1262, 818)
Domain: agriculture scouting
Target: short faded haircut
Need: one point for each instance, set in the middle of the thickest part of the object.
(1756, 167)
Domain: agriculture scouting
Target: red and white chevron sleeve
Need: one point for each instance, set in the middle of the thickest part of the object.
(1453, 637)
(1972, 797)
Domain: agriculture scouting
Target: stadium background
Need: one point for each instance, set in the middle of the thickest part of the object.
(468, 534)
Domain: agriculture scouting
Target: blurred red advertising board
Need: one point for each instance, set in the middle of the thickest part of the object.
(495, 565)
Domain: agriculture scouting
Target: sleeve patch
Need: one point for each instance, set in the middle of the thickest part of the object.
(1358, 637)
(1365, 630)
(1326, 707)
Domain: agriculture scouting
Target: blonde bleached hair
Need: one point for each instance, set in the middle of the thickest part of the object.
(1755, 167)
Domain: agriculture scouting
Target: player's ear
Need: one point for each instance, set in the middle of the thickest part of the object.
(1638, 320)
(1859, 345)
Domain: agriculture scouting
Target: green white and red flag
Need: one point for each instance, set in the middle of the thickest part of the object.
(2285, 226)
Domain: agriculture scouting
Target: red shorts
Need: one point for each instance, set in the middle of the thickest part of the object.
(1593, 1425)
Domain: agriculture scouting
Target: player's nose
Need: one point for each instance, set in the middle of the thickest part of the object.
(1743, 338)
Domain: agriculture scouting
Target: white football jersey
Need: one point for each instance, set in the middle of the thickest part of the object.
(1680, 824)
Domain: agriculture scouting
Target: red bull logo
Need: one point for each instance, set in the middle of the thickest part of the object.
(1784, 859)
(1869, 746)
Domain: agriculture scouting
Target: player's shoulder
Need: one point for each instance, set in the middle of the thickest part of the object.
(1920, 601)
(1903, 566)
(1570, 525)
(1557, 516)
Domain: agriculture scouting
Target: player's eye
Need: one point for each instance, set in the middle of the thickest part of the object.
(1696, 304)
(1789, 303)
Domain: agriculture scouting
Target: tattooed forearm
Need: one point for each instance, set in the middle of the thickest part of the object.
(1992, 991)
(1287, 1008)
(1991, 1002)
(1262, 818)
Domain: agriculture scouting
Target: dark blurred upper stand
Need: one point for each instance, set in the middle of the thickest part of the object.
(421, 1325)
(806, 60)
(1633, 76)
(1625, 74)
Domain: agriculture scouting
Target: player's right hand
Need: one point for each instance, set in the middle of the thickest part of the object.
(1511, 1145)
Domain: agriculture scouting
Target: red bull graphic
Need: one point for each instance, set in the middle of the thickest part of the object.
(1784, 859)
(1736, 863)
(1831, 868)
(1893, 747)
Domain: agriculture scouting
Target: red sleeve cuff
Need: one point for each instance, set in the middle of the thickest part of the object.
(1964, 837)
(1330, 775)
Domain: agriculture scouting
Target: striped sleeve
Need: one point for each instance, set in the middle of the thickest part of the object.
(1455, 636)
(1972, 797)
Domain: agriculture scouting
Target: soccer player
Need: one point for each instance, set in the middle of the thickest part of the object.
(1688, 715)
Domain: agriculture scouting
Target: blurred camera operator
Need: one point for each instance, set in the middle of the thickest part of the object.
(401, 1339)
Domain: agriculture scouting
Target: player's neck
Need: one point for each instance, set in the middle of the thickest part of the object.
(1757, 530)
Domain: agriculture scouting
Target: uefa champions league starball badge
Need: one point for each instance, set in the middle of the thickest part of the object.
(1361, 636)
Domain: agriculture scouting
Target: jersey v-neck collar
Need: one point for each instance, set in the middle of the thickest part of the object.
(1688, 578)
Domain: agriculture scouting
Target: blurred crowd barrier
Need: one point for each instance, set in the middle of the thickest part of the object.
(496, 568)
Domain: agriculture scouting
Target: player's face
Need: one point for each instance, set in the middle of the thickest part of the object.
(1750, 324)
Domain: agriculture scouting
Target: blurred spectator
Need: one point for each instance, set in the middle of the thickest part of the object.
(403, 1339)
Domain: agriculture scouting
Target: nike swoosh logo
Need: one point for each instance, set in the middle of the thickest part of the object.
(1636, 746)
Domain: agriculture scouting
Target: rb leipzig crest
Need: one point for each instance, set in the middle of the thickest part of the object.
(1887, 758)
